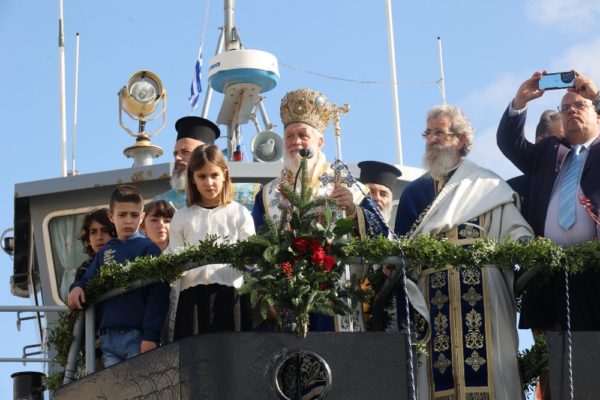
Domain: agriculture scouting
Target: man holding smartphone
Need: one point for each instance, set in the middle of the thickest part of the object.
(560, 169)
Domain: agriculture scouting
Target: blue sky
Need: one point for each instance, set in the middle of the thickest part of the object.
(490, 47)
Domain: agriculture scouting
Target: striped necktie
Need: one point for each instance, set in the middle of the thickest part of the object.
(568, 189)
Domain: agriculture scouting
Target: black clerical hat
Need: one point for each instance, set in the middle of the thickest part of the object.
(197, 128)
(379, 173)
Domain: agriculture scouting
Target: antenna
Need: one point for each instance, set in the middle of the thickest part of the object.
(442, 81)
(62, 101)
(73, 170)
(394, 80)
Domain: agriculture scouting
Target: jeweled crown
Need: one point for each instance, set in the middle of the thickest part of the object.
(307, 106)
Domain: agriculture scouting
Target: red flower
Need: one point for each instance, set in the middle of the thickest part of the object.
(318, 256)
(300, 244)
(328, 263)
(314, 245)
(322, 286)
(286, 268)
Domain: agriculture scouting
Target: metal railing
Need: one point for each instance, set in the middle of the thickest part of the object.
(86, 319)
(26, 357)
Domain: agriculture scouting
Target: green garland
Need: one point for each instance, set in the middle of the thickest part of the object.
(541, 254)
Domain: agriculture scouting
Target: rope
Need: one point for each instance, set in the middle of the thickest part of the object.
(569, 339)
(411, 381)
(337, 78)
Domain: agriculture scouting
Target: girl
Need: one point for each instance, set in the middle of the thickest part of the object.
(157, 221)
(96, 231)
(208, 301)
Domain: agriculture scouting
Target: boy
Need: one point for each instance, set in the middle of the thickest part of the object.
(131, 323)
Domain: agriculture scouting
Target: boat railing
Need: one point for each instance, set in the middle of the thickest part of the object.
(26, 351)
(85, 330)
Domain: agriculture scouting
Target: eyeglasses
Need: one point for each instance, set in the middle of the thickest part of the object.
(437, 133)
(579, 105)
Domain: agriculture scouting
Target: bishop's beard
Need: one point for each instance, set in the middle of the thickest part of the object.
(440, 159)
(179, 180)
(292, 164)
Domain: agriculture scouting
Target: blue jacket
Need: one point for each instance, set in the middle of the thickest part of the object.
(144, 308)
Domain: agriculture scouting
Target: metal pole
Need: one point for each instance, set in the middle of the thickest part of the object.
(71, 367)
(25, 360)
(33, 308)
(90, 339)
(209, 91)
(62, 100)
(390, 26)
(231, 42)
(263, 113)
(442, 77)
(73, 170)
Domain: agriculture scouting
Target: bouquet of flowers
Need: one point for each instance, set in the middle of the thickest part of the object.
(300, 270)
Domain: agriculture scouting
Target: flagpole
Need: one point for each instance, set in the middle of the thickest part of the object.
(209, 89)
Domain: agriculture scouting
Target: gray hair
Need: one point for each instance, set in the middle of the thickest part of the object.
(459, 124)
(544, 127)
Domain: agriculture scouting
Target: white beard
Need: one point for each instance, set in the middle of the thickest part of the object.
(293, 163)
(440, 159)
(179, 180)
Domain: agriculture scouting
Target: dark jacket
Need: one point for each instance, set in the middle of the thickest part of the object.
(545, 306)
(144, 308)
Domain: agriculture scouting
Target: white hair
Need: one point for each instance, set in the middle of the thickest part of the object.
(459, 124)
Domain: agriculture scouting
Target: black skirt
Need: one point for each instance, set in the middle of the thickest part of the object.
(211, 308)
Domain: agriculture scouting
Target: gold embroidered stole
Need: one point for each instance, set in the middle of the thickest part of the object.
(460, 349)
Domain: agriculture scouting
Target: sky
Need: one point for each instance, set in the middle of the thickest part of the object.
(337, 47)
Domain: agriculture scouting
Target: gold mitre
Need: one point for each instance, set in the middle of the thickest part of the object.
(307, 106)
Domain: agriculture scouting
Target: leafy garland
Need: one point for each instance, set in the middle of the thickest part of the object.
(541, 254)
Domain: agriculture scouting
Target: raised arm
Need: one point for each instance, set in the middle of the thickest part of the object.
(511, 131)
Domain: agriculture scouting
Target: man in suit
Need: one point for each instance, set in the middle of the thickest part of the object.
(550, 124)
(547, 163)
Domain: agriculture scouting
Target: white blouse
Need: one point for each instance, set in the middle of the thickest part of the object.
(231, 223)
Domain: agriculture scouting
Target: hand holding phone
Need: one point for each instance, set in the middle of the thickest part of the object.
(557, 80)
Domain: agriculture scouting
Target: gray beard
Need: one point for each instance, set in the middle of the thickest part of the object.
(440, 160)
(387, 212)
(179, 180)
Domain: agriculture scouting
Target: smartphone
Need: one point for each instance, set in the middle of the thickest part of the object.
(557, 80)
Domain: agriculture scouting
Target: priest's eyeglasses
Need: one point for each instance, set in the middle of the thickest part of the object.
(579, 105)
(437, 133)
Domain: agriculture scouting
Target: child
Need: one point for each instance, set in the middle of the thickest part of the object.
(96, 231)
(208, 301)
(130, 323)
(157, 221)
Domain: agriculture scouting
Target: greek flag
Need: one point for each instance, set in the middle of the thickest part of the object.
(196, 86)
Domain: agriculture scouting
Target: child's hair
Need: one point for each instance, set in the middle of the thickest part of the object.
(126, 194)
(158, 208)
(202, 155)
(101, 216)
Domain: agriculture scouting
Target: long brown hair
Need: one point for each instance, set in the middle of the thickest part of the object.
(201, 156)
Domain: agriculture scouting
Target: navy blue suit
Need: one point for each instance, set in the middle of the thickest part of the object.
(541, 162)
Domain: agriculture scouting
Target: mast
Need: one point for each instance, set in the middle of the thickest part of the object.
(390, 26)
(442, 81)
(62, 100)
(73, 167)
